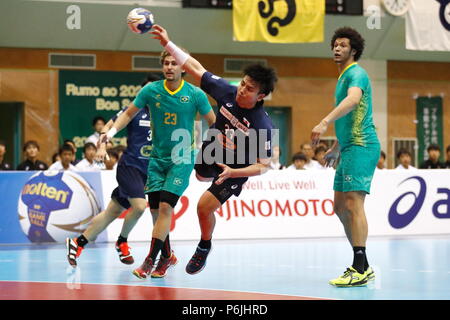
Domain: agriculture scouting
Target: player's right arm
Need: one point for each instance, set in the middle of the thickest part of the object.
(190, 65)
(121, 122)
(101, 144)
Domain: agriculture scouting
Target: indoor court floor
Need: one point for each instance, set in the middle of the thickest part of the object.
(406, 268)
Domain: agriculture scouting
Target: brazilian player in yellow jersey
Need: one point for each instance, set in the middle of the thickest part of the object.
(359, 149)
(174, 104)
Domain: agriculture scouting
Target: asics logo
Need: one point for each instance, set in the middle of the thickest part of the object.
(234, 186)
(401, 220)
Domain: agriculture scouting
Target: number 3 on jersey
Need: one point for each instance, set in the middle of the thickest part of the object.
(170, 118)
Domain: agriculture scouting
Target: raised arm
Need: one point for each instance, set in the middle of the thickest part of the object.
(190, 65)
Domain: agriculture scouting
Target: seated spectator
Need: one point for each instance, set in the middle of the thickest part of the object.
(404, 157)
(308, 152)
(74, 160)
(434, 151)
(111, 163)
(381, 161)
(55, 157)
(120, 149)
(66, 154)
(319, 155)
(31, 150)
(447, 163)
(298, 161)
(3, 164)
(275, 160)
(88, 163)
(98, 123)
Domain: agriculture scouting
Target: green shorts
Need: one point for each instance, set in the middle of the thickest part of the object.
(356, 167)
(163, 174)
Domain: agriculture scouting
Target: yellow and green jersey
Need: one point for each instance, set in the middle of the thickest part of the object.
(171, 111)
(356, 127)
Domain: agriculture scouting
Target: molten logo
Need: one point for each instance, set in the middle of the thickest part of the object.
(43, 190)
(401, 220)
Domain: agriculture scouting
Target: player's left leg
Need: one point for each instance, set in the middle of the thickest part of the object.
(206, 207)
(357, 177)
(97, 225)
(209, 202)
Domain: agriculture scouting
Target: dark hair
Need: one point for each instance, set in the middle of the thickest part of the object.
(54, 157)
(30, 143)
(448, 148)
(299, 156)
(320, 149)
(433, 147)
(150, 78)
(403, 151)
(69, 141)
(112, 153)
(382, 154)
(89, 145)
(264, 76)
(356, 40)
(96, 119)
(2, 143)
(65, 147)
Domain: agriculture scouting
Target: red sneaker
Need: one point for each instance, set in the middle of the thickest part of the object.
(163, 265)
(73, 251)
(145, 269)
(124, 253)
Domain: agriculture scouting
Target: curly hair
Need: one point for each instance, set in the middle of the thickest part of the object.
(356, 40)
(264, 76)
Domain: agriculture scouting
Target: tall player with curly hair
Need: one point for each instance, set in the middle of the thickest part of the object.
(359, 147)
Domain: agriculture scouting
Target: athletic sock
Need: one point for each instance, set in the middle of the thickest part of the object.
(359, 258)
(155, 248)
(205, 244)
(366, 263)
(165, 250)
(121, 240)
(82, 241)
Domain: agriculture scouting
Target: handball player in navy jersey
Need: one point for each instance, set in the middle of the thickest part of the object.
(237, 146)
(131, 177)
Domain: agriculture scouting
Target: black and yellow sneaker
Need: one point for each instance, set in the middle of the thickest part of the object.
(350, 278)
(370, 274)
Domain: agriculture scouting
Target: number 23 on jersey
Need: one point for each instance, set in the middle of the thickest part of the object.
(170, 118)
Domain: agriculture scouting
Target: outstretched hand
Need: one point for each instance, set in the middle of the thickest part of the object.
(159, 33)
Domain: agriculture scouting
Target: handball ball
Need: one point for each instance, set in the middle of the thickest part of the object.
(140, 20)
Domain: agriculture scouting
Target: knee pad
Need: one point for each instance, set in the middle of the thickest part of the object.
(169, 198)
(154, 199)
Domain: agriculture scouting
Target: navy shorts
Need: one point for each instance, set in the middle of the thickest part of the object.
(131, 185)
(223, 191)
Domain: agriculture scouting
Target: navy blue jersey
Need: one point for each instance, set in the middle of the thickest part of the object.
(139, 141)
(244, 134)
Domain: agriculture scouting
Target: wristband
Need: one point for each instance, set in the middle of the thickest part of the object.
(179, 55)
(111, 132)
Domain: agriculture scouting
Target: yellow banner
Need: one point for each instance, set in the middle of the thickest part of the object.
(279, 21)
